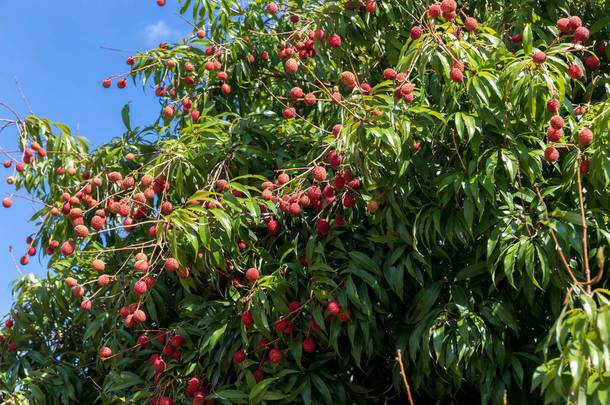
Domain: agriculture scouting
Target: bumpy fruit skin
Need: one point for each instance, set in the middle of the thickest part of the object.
(290, 112)
(258, 375)
(67, 248)
(557, 122)
(539, 57)
(239, 356)
(348, 78)
(177, 341)
(319, 173)
(139, 316)
(291, 66)
(273, 227)
(171, 264)
(581, 34)
(591, 62)
(585, 137)
(563, 25)
(7, 202)
(105, 352)
(552, 106)
(580, 110)
(107, 83)
(334, 41)
(140, 287)
(296, 93)
(434, 11)
(309, 345)
(252, 274)
(470, 24)
(448, 6)
(334, 308)
(553, 135)
(551, 154)
(371, 6)
(272, 8)
(323, 226)
(575, 72)
(456, 75)
(275, 356)
(416, 33)
(247, 319)
(98, 265)
(584, 166)
(85, 305)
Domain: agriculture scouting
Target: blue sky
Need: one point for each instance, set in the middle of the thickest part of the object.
(55, 50)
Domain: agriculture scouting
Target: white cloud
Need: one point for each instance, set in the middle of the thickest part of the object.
(159, 32)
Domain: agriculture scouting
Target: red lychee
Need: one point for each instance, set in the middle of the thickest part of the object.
(252, 274)
(551, 154)
(105, 352)
(323, 226)
(239, 356)
(552, 106)
(434, 11)
(272, 8)
(319, 173)
(563, 25)
(273, 227)
(334, 41)
(470, 24)
(275, 356)
(309, 345)
(290, 112)
(581, 34)
(557, 122)
(140, 288)
(416, 32)
(247, 319)
(456, 75)
(585, 137)
(539, 57)
(291, 66)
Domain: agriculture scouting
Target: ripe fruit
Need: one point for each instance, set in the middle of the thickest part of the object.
(296, 93)
(309, 345)
(103, 280)
(563, 25)
(7, 202)
(349, 201)
(339, 220)
(141, 266)
(106, 83)
(67, 248)
(78, 291)
(348, 78)
(290, 112)
(470, 24)
(591, 62)
(225, 89)
(416, 33)
(139, 316)
(295, 209)
(160, 3)
(337, 130)
(258, 375)
(372, 206)
(552, 106)
(121, 83)
(456, 75)
(434, 11)
(291, 66)
(581, 34)
(24, 260)
(273, 227)
(98, 265)
(275, 356)
(310, 99)
(168, 111)
(585, 137)
(580, 110)
(553, 135)
(333, 308)
(584, 166)
(323, 226)
(319, 173)
(272, 8)
(551, 154)
(85, 305)
(516, 38)
(81, 231)
(177, 341)
(239, 356)
(371, 6)
(539, 57)
(105, 352)
(140, 287)
(334, 41)
(448, 6)
(557, 122)
(247, 319)
(252, 274)
(575, 72)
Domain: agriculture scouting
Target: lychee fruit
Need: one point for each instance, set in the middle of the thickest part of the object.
(553, 135)
(581, 34)
(273, 227)
(551, 154)
(552, 106)
(67, 248)
(105, 352)
(290, 112)
(7, 202)
(272, 8)
(140, 288)
(416, 33)
(291, 66)
(239, 356)
(584, 166)
(372, 206)
(252, 274)
(309, 345)
(539, 57)
(434, 11)
(557, 122)
(563, 25)
(319, 173)
(275, 356)
(585, 137)
(334, 41)
(323, 226)
(470, 24)
(575, 72)
(456, 75)
(247, 319)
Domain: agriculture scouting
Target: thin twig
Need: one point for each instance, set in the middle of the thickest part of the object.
(404, 376)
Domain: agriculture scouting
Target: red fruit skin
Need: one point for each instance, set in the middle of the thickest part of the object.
(105, 352)
(258, 375)
(339, 220)
(539, 57)
(585, 137)
(334, 41)
(584, 166)
(273, 227)
(290, 112)
(470, 24)
(557, 122)
(416, 33)
(552, 106)
(323, 226)
(563, 25)
(239, 356)
(434, 11)
(333, 308)
(551, 154)
(247, 319)
(581, 34)
(7, 202)
(252, 274)
(591, 62)
(106, 83)
(456, 75)
(309, 345)
(275, 356)
(24, 260)
(553, 135)
(177, 341)
(575, 72)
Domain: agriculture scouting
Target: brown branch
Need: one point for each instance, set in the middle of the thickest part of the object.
(584, 228)
(404, 376)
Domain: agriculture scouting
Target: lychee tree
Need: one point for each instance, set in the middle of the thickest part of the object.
(362, 202)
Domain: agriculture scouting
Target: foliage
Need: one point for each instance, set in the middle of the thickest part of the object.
(464, 249)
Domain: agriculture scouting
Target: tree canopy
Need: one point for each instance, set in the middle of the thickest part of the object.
(329, 184)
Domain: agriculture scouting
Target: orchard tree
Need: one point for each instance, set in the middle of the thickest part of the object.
(340, 202)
